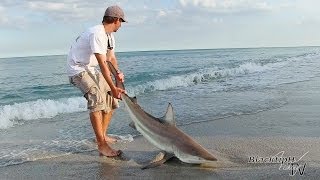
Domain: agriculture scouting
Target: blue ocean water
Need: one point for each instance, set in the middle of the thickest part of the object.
(43, 116)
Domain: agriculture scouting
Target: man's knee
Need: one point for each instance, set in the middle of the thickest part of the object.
(95, 115)
(107, 113)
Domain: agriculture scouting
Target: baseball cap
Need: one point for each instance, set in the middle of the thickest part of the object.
(115, 11)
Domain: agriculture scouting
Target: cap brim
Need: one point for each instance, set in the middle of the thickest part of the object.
(123, 20)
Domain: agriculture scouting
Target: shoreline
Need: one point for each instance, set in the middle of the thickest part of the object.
(233, 155)
(224, 138)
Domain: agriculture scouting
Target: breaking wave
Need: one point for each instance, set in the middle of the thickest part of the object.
(204, 75)
(41, 108)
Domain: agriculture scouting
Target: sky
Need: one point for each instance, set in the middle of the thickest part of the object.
(48, 27)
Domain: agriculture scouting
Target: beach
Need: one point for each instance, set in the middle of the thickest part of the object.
(240, 80)
(242, 145)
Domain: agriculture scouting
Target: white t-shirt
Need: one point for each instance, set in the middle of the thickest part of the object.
(81, 55)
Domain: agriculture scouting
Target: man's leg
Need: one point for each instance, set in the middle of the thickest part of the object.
(105, 124)
(103, 147)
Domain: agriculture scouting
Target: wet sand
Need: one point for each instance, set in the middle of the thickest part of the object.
(239, 157)
(233, 162)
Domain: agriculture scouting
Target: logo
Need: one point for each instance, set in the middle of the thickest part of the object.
(287, 163)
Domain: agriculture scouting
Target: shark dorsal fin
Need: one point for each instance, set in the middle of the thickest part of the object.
(169, 116)
(134, 99)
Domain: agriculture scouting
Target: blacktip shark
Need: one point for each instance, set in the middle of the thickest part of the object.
(163, 133)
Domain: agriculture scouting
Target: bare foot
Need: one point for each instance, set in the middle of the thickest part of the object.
(110, 139)
(106, 150)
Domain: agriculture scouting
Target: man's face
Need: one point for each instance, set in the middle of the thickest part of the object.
(117, 25)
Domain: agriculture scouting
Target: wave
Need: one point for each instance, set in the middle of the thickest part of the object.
(51, 149)
(203, 75)
(41, 108)
(215, 73)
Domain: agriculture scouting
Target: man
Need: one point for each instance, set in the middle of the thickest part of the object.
(92, 49)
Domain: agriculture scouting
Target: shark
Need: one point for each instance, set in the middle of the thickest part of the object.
(163, 133)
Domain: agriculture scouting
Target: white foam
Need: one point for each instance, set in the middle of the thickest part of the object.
(123, 138)
(41, 108)
(201, 76)
(49, 149)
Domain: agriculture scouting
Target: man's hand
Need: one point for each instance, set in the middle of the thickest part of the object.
(116, 93)
(120, 76)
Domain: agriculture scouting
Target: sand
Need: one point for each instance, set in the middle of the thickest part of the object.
(233, 162)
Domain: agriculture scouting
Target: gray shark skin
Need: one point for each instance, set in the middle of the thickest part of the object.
(163, 133)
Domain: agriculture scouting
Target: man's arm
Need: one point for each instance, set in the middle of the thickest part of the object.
(107, 76)
(112, 58)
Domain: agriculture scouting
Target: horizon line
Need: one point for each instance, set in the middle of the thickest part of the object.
(155, 50)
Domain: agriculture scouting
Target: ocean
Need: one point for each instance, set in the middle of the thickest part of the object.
(42, 116)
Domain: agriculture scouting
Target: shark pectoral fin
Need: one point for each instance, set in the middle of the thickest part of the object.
(134, 99)
(133, 125)
(169, 116)
(161, 158)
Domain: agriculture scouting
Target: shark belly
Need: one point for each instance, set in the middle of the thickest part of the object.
(154, 138)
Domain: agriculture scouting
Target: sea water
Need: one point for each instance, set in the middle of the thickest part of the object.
(43, 116)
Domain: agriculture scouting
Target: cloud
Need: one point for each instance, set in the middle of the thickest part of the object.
(226, 6)
(65, 11)
(47, 6)
(138, 12)
(9, 21)
(138, 20)
(3, 17)
(162, 13)
(60, 11)
(174, 12)
(154, 14)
